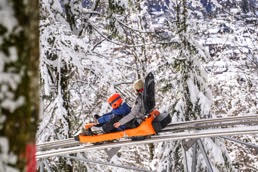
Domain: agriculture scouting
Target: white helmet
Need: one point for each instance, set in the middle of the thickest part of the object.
(138, 85)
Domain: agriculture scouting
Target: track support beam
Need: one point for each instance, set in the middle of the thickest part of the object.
(205, 155)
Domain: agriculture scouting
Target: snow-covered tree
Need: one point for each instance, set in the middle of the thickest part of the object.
(192, 98)
(91, 49)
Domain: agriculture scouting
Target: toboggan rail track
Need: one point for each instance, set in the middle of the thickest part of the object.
(174, 131)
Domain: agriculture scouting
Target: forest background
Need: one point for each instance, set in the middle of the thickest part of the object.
(203, 54)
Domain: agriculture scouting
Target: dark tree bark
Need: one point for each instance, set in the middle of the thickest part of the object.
(21, 123)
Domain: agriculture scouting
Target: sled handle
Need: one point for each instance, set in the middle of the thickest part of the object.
(89, 125)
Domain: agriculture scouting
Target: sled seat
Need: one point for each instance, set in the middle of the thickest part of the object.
(144, 129)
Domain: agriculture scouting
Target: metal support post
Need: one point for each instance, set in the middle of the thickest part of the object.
(194, 158)
(47, 167)
(188, 144)
(185, 158)
(204, 155)
(111, 152)
(249, 145)
(41, 167)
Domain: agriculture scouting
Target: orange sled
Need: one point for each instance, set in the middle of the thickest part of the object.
(144, 129)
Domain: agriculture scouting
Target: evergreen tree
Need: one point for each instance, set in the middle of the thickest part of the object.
(91, 49)
(193, 101)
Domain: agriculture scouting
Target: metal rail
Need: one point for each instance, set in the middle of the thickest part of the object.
(57, 144)
(154, 139)
(210, 125)
(205, 122)
(178, 126)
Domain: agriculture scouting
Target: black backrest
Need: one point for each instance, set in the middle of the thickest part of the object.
(149, 93)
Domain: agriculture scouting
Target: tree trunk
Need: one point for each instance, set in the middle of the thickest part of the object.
(21, 43)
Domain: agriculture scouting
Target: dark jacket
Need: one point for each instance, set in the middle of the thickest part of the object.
(122, 110)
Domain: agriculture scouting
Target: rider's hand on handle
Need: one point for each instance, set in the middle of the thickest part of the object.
(117, 124)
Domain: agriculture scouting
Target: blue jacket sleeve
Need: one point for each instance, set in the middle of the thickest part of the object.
(105, 118)
(123, 110)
